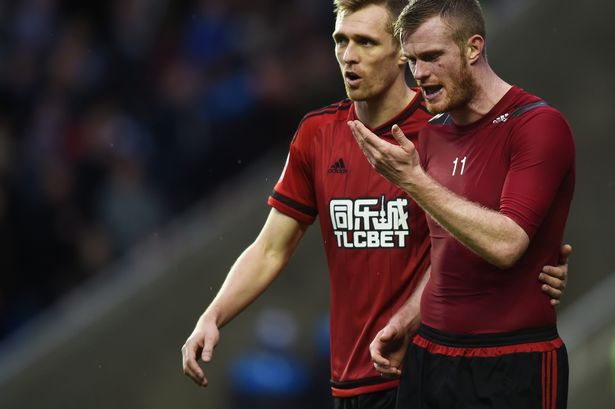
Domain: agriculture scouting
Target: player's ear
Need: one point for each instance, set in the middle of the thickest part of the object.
(402, 60)
(474, 48)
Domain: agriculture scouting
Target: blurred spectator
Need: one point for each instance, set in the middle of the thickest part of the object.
(271, 374)
(115, 116)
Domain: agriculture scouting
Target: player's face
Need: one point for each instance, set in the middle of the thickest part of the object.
(439, 67)
(368, 55)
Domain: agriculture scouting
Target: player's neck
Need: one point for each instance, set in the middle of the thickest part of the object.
(378, 111)
(490, 89)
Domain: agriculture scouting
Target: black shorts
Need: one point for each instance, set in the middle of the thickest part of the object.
(375, 400)
(521, 370)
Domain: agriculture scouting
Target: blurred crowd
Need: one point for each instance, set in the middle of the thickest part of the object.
(116, 116)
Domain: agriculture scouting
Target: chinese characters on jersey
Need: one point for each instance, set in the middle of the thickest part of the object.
(369, 222)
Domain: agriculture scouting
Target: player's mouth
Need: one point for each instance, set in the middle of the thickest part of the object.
(352, 78)
(430, 92)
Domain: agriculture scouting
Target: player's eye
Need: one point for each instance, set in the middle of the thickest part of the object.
(365, 41)
(431, 57)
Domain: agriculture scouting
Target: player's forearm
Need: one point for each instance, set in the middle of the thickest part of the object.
(249, 277)
(256, 268)
(493, 236)
(408, 316)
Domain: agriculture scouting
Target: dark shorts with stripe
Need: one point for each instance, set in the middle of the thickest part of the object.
(520, 370)
(375, 400)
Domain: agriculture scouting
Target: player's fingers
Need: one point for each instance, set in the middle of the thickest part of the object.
(553, 279)
(554, 293)
(208, 349)
(387, 371)
(400, 137)
(360, 140)
(377, 357)
(356, 132)
(190, 365)
(380, 360)
(363, 135)
(360, 130)
(375, 351)
(551, 271)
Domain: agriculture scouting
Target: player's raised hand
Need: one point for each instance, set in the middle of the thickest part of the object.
(397, 163)
(199, 345)
(555, 278)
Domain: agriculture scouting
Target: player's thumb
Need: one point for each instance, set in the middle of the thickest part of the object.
(566, 252)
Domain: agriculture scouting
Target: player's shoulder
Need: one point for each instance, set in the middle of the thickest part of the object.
(316, 122)
(528, 106)
(330, 113)
(533, 120)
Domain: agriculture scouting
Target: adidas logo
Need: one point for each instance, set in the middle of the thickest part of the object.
(501, 118)
(338, 167)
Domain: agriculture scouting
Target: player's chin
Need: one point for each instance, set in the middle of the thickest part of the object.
(436, 107)
(356, 94)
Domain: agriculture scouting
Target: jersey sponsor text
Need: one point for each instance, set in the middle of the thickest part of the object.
(369, 222)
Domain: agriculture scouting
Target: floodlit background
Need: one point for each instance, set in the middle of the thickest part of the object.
(139, 140)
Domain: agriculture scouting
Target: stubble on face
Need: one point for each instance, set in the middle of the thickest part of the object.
(437, 61)
(459, 92)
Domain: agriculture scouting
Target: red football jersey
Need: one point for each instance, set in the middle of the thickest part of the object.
(376, 238)
(518, 160)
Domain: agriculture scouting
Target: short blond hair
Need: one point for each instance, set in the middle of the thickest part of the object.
(394, 7)
(464, 16)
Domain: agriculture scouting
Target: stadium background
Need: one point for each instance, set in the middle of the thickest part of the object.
(139, 140)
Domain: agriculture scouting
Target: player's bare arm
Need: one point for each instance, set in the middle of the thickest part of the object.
(491, 235)
(390, 344)
(251, 274)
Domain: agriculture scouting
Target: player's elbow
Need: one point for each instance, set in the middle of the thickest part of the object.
(505, 261)
(508, 252)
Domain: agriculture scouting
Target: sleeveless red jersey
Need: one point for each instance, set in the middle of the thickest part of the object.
(518, 160)
(375, 237)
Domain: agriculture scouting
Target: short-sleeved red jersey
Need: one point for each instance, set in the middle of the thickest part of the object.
(518, 160)
(375, 237)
